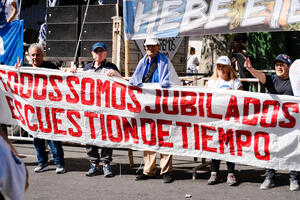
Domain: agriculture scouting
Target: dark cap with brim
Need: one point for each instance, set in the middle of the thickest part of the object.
(283, 58)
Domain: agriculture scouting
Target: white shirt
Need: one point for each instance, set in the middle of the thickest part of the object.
(192, 64)
(12, 173)
(220, 83)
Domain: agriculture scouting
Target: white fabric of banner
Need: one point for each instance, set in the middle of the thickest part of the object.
(243, 127)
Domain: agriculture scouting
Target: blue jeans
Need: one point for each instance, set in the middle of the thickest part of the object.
(55, 148)
(270, 174)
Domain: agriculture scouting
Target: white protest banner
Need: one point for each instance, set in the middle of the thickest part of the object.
(250, 128)
(294, 74)
(168, 46)
(171, 18)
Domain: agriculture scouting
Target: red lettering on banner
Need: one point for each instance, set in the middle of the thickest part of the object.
(91, 117)
(285, 110)
(246, 115)
(102, 123)
(48, 129)
(208, 108)
(266, 138)
(84, 83)
(69, 98)
(121, 97)
(226, 139)
(137, 107)
(29, 77)
(57, 121)
(265, 111)
(101, 89)
(2, 72)
(161, 133)
(70, 114)
(165, 105)
(18, 105)
(33, 127)
(11, 107)
(187, 106)
(37, 78)
(157, 108)
(242, 143)
(206, 138)
(118, 128)
(233, 110)
(197, 137)
(184, 126)
(152, 141)
(130, 129)
(11, 74)
(201, 105)
(58, 96)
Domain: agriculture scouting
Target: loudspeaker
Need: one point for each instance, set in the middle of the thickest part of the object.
(62, 23)
(62, 14)
(62, 31)
(86, 48)
(103, 13)
(60, 48)
(97, 31)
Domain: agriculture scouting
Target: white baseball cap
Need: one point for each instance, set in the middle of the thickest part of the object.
(224, 60)
(151, 41)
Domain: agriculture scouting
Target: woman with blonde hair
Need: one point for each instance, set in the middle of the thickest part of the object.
(224, 77)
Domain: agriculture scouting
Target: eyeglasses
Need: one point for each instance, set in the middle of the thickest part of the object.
(280, 65)
(150, 46)
(35, 54)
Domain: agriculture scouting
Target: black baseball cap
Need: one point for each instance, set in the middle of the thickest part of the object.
(283, 58)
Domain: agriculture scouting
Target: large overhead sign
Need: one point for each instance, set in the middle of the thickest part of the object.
(171, 18)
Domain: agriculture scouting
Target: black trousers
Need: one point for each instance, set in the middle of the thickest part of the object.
(215, 166)
(1, 197)
(94, 157)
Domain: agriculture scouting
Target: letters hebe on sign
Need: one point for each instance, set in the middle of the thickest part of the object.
(171, 18)
(244, 127)
(168, 46)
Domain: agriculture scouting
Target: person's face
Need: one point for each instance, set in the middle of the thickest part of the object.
(36, 56)
(282, 70)
(152, 50)
(223, 71)
(99, 55)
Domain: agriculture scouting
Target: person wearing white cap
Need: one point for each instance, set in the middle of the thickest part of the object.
(224, 76)
(155, 67)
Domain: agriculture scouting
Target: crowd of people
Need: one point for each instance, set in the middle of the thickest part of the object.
(154, 67)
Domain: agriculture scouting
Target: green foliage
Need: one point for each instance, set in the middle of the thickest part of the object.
(263, 47)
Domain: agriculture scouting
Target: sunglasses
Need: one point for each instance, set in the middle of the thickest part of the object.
(99, 50)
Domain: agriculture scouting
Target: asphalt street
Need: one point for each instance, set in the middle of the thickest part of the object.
(75, 185)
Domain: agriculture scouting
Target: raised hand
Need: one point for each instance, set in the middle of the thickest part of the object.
(19, 63)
